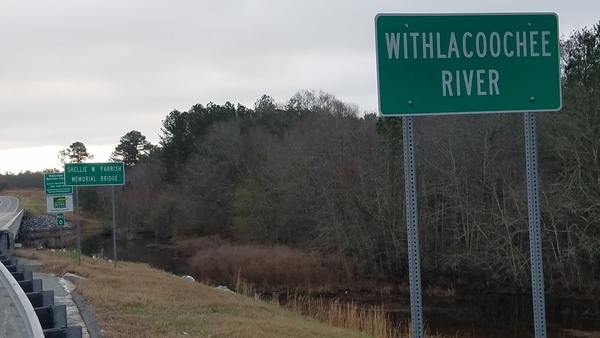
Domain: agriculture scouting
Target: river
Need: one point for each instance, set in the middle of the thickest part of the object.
(477, 316)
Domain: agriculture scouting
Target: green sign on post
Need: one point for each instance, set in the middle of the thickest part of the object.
(94, 174)
(467, 63)
(60, 220)
(54, 184)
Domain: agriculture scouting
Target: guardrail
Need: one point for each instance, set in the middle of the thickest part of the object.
(20, 300)
(41, 318)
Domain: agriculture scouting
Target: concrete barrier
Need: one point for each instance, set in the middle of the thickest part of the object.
(13, 225)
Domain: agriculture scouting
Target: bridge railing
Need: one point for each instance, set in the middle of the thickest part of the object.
(12, 226)
(19, 298)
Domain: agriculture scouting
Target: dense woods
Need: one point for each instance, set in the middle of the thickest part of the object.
(318, 174)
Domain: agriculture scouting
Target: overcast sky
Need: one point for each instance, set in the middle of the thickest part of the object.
(91, 71)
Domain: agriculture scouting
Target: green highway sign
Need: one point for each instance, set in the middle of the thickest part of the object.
(94, 174)
(60, 220)
(54, 184)
(467, 63)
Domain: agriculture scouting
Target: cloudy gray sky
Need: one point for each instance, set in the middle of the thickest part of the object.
(93, 70)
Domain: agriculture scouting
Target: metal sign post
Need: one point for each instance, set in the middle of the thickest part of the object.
(431, 64)
(59, 198)
(96, 174)
(535, 231)
(78, 227)
(114, 228)
(412, 225)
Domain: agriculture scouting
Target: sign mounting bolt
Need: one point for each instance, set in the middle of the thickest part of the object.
(531, 99)
(410, 103)
(405, 25)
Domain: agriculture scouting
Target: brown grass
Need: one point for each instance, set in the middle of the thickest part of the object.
(135, 300)
(265, 267)
(252, 270)
(372, 320)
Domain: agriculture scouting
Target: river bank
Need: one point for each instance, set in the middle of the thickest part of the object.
(135, 299)
(446, 311)
(284, 272)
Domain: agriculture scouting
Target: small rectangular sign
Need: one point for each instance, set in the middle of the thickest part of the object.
(54, 184)
(60, 220)
(94, 174)
(57, 204)
(467, 63)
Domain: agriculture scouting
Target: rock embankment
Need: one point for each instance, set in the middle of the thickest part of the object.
(39, 223)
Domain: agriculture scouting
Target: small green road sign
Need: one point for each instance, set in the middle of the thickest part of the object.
(60, 220)
(54, 184)
(467, 63)
(94, 174)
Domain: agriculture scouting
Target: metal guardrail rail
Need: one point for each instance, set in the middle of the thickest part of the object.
(40, 316)
(20, 300)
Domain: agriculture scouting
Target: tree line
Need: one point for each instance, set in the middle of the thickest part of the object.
(317, 174)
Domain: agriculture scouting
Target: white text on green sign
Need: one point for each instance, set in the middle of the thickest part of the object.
(60, 220)
(93, 174)
(467, 63)
(54, 184)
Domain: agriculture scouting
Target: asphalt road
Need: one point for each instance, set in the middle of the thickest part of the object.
(8, 206)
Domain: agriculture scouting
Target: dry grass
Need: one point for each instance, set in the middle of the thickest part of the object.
(265, 267)
(254, 270)
(372, 320)
(135, 300)
(33, 200)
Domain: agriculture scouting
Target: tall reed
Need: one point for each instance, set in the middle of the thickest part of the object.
(372, 320)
